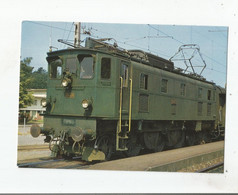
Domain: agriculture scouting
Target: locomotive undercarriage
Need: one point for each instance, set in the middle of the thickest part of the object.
(153, 136)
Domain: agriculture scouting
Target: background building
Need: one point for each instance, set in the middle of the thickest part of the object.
(33, 112)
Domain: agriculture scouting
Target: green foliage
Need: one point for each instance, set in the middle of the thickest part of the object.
(30, 80)
(39, 79)
(25, 98)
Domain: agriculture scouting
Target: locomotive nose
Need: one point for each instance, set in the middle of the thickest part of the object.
(35, 130)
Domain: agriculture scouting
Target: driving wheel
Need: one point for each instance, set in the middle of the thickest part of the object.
(105, 145)
(133, 148)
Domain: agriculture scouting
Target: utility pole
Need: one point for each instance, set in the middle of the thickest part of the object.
(77, 34)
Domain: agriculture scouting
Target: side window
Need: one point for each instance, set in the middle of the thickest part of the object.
(199, 92)
(124, 74)
(56, 69)
(143, 81)
(164, 86)
(182, 89)
(106, 68)
(209, 94)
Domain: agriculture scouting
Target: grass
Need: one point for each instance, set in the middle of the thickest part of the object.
(32, 122)
(35, 122)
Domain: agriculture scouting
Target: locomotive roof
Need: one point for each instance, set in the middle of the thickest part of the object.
(134, 55)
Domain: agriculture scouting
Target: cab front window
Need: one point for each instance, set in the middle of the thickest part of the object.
(71, 65)
(86, 66)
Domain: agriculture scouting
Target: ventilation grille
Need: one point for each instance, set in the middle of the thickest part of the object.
(209, 109)
(143, 103)
(199, 108)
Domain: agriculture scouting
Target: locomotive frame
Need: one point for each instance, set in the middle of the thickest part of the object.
(102, 99)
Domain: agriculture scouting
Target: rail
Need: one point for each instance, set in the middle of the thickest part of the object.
(35, 164)
(60, 163)
(207, 169)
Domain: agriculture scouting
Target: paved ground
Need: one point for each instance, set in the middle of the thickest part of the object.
(145, 162)
(24, 138)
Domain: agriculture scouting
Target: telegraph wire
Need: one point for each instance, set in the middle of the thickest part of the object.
(165, 34)
(139, 47)
(207, 37)
(64, 29)
(159, 52)
(216, 70)
(184, 44)
(70, 32)
(55, 27)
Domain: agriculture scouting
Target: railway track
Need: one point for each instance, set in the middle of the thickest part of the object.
(178, 158)
(33, 147)
(60, 163)
(213, 168)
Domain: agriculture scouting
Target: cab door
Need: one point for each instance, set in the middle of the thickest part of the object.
(125, 84)
(124, 122)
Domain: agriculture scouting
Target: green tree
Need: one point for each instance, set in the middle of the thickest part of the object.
(25, 98)
(39, 79)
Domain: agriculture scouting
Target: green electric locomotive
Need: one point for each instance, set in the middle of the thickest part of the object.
(102, 99)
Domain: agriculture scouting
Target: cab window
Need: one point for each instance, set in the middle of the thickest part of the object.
(56, 69)
(86, 66)
(71, 65)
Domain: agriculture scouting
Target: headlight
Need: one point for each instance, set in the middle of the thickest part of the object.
(65, 83)
(43, 103)
(85, 104)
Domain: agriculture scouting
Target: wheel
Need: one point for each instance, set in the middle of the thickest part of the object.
(204, 137)
(105, 145)
(160, 143)
(175, 139)
(154, 141)
(180, 141)
(190, 138)
(133, 148)
(207, 137)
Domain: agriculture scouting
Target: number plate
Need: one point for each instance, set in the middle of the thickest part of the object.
(68, 122)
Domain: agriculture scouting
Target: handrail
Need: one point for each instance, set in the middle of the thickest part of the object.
(120, 118)
(130, 105)
(120, 110)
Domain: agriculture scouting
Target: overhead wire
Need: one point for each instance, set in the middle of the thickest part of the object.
(136, 46)
(184, 44)
(70, 31)
(55, 27)
(125, 42)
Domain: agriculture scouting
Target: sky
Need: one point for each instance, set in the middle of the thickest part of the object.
(160, 40)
